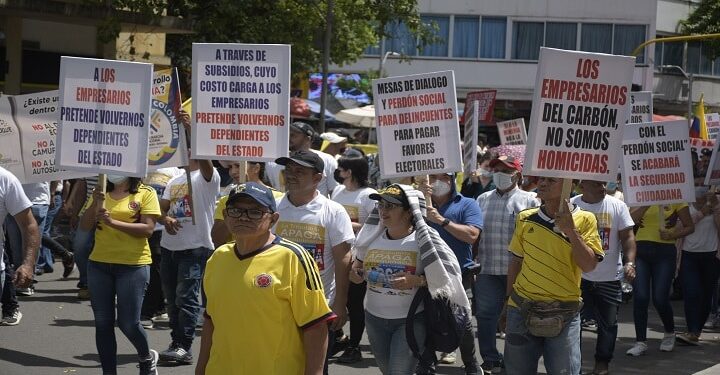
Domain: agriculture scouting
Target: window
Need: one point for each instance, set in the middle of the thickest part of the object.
(400, 39)
(693, 58)
(492, 37)
(626, 38)
(373, 50)
(561, 35)
(673, 54)
(439, 48)
(465, 36)
(596, 37)
(527, 39)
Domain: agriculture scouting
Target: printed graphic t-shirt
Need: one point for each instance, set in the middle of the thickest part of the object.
(650, 226)
(158, 180)
(114, 246)
(204, 192)
(357, 203)
(318, 226)
(612, 216)
(384, 258)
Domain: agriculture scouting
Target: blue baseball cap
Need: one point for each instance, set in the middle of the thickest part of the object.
(259, 193)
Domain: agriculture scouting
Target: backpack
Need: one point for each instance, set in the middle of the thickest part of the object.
(444, 323)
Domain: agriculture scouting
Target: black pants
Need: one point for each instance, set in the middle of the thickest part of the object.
(9, 299)
(356, 312)
(154, 302)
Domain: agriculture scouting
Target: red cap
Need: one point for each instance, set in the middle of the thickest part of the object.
(508, 161)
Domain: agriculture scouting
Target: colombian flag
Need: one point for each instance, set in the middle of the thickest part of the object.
(699, 128)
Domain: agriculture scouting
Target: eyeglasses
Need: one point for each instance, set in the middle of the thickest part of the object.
(387, 205)
(251, 213)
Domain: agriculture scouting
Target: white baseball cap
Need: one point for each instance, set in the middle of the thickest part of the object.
(332, 137)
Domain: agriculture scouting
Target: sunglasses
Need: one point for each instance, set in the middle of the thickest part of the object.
(251, 213)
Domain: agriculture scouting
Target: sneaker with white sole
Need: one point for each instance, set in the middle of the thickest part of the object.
(668, 342)
(638, 349)
(149, 366)
(176, 353)
(12, 319)
(161, 318)
(447, 358)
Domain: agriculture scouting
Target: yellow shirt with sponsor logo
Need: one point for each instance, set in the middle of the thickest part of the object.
(548, 271)
(114, 246)
(259, 303)
(650, 223)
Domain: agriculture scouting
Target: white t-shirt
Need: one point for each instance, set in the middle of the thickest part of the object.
(612, 216)
(38, 193)
(384, 258)
(318, 226)
(204, 192)
(12, 201)
(705, 238)
(357, 203)
(273, 172)
(158, 180)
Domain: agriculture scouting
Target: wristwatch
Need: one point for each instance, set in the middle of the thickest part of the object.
(445, 222)
(631, 264)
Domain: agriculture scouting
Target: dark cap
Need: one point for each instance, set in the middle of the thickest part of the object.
(260, 193)
(508, 161)
(393, 194)
(303, 127)
(305, 158)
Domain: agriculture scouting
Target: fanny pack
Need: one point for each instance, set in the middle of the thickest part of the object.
(546, 318)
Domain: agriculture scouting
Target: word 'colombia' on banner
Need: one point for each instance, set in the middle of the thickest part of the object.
(578, 113)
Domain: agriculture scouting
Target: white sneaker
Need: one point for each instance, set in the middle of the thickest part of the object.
(638, 349)
(447, 358)
(668, 342)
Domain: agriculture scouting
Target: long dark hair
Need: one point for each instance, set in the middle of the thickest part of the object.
(359, 167)
(134, 185)
(261, 172)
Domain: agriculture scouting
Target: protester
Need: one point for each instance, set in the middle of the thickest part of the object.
(336, 144)
(15, 203)
(83, 240)
(354, 195)
(320, 225)
(480, 180)
(499, 207)
(396, 253)
(601, 288)
(655, 268)
(459, 222)
(543, 308)
(117, 270)
(614, 189)
(699, 264)
(284, 330)
(186, 246)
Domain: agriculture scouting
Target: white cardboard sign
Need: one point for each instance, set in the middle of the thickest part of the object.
(657, 168)
(641, 107)
(241, 101)
(512, 132)
(417, 124)
(104, 116)
(578, 113)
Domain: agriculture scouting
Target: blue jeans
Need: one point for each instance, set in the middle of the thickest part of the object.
(83, 242)
(181, 273)
(523, 350)
(128, 283)
(489, 301)
(14, 236)
(655, 266)
(602, 300)
(699, 273)
(45, 258)
(389, 346)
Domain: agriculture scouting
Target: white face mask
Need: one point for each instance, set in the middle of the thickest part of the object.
(116, 179)
(503, 181)
(440, 188)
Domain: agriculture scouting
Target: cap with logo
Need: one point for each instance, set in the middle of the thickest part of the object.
(259, 193)
(508, 161)
(393, 194)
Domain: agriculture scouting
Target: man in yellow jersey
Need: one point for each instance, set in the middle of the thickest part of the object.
(551, 247)
(266, 309)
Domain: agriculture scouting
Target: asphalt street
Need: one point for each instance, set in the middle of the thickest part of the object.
(56, 336)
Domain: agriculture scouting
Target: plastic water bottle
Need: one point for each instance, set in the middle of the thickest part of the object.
(376, 277)
(626, 286)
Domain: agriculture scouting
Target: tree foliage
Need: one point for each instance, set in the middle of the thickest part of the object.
(705, 19)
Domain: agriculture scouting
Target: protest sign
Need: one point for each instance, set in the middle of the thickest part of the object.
(470, 139)
(167, 145)
(241, 101)
(657, 168)
(486, 100)
(10, 153)
(701, 145)
(512, 132)
(712, 122)
(417, 125)
(641, 107)
(104, 115)
(578, 114)
(712, 176)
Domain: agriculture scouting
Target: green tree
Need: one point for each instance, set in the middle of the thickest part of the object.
(705, 19)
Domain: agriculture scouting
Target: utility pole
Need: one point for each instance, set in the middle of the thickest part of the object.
(326, 63)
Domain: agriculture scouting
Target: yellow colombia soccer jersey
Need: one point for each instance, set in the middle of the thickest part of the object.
(548, 270)
(650, 227)
(114, 246)
(259, 303)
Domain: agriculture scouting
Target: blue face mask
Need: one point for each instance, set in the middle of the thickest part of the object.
(611, 186)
